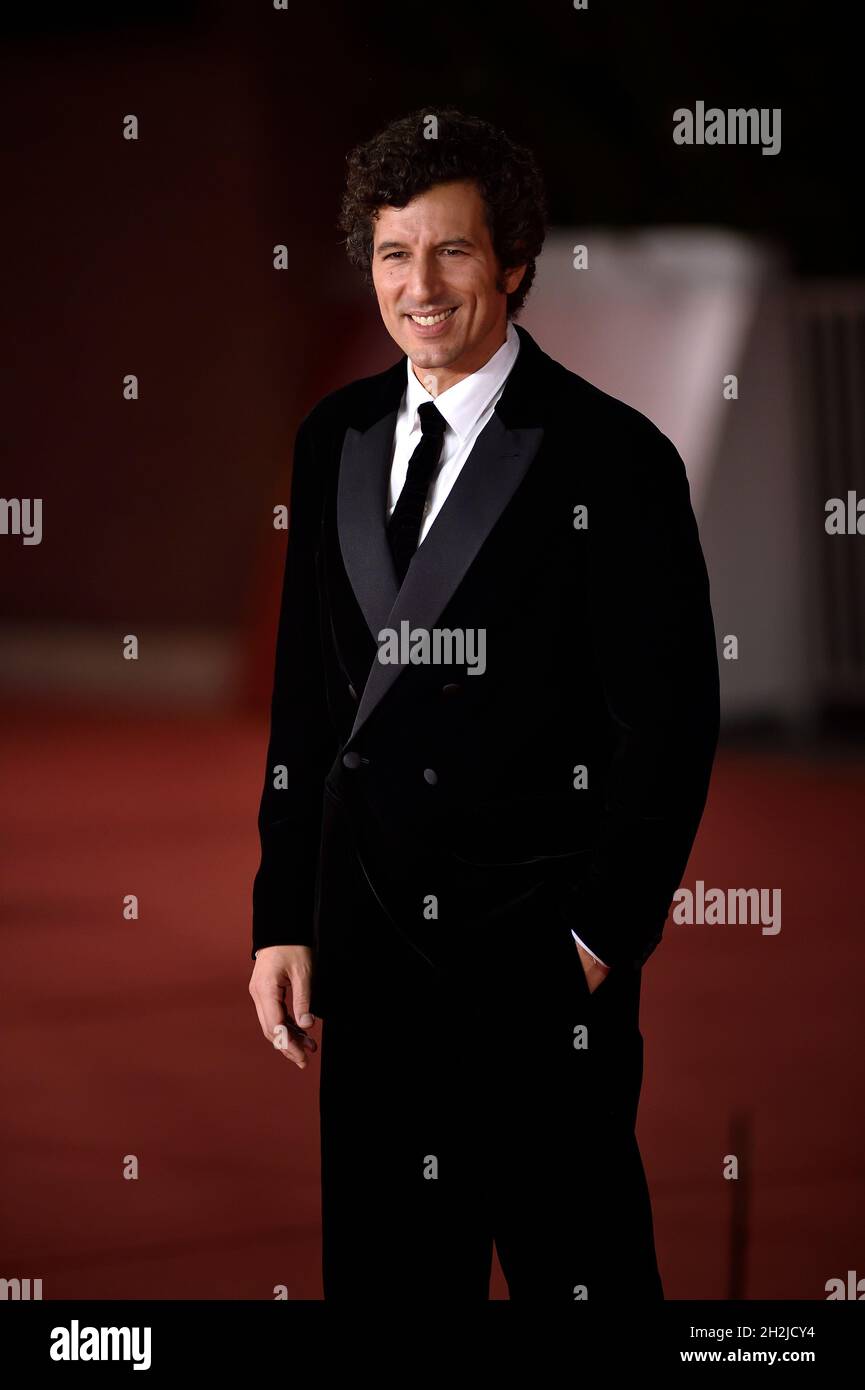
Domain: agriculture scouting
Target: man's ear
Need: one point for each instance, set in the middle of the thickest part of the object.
(511, 279)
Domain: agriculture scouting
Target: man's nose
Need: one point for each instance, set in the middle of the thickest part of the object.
(424, 281)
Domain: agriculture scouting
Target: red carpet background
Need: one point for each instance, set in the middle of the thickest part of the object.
(138, 1037)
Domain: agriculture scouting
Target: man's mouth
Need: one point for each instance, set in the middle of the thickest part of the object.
(429, 320)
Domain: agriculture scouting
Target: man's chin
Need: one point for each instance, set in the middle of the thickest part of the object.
(431, 355)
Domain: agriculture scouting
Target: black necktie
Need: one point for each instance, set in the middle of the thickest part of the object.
(406, 519)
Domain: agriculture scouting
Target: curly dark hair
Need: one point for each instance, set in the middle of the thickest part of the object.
(399, 163)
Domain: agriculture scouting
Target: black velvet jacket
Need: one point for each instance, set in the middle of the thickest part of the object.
(459, 794)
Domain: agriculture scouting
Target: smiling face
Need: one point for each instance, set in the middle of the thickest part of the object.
(440, 289)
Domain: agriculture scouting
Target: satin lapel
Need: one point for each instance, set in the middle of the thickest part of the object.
(486, 483)
(364, 472)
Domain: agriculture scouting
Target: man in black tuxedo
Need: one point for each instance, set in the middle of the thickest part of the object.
(495, 712)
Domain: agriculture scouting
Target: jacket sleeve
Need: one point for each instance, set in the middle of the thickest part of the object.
(302, 743)
(653, 644)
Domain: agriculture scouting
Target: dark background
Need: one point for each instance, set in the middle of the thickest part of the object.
(154, 256)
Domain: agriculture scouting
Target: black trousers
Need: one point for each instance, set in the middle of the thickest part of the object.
(491, 1103)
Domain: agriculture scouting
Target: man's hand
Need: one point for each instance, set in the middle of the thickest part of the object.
(280, 987)
(594, 971)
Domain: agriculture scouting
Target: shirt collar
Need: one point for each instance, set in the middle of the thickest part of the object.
(463, 405)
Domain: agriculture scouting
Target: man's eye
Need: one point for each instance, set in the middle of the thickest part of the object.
(390, 255)
(453, 251)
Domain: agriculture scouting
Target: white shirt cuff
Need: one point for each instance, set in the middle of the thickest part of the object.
(590, 951)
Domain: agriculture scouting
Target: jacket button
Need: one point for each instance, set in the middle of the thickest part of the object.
(351, 690)
(430, 776)
(451, 688)
(351, 760)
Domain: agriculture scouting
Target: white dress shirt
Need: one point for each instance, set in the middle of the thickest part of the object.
(466, 409)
